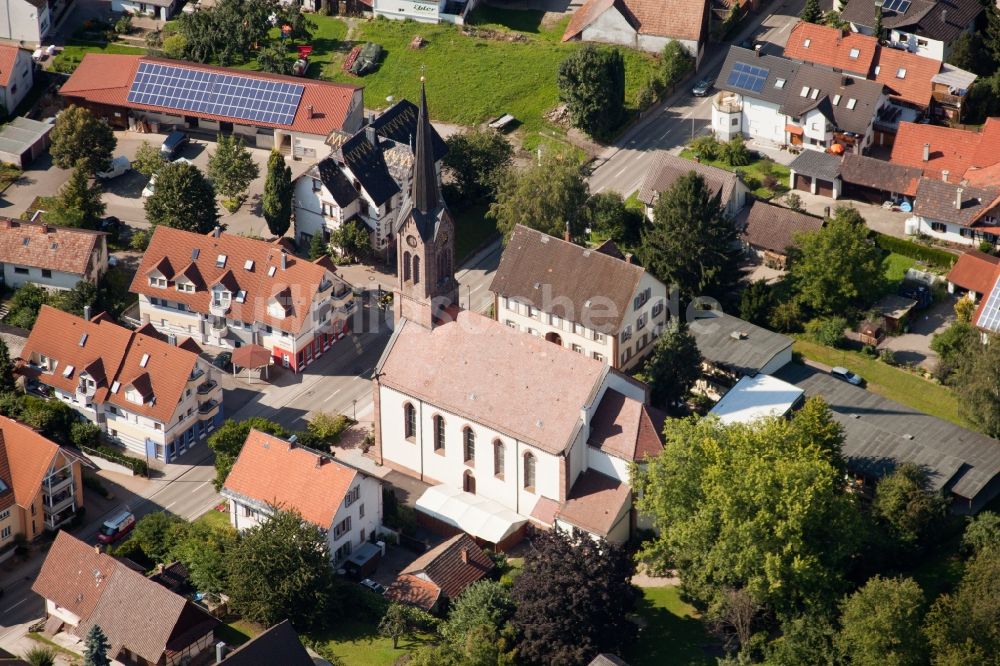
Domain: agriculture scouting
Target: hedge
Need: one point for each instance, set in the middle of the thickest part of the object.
(938, 258)
(107, 453)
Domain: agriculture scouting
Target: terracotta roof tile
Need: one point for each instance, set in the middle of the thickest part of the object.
(539, 404)
(47, 246)
(273, 471)
(452, 566)
(594, 502)
(667, 169)
(8, 61)
(832, 47)
(680, 19)
(104, 78)
(261, 281)
(975, 271)
(918, 72)
(27, 456)
(413, 590)
(541, 270)
(952, 150)
(774, 227)
(624, 428)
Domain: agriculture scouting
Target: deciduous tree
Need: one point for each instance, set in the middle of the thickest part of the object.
(906, 504)
(976, 379)
(612, 218)
(981, 533)
(403, 620)
(690, 244)
(548, 197)
(78, 136)
(573, 598)
(231, 167)
(227, 442)
(477, 159)
(183, 199)
(148, 159)
(673, 367)
(276, 204)
(675, 63)
(204, 550)
(760, 507)
(592, 84)
(79, 202)
(880, 624)
(353, 239)
(963, 627)
(281, 569)
(486, 603)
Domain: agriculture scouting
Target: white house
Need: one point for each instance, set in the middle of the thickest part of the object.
(642, 24)
(271, 472)
(156, 399)
(782, 102)
(424, 11)
(588, 301)
(158, 9)
(27, 22)
(363, 179)
(925, 27)
(50, 256)
(16, 76)
(667, 169)
(965, 215)
(228, 291)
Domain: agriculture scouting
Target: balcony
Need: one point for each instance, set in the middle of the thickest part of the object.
(58, 481)
(196, 373)
(207, 387)
(727, 102)
(347, 308)
(55, 503)
(209, 408)
(218, 327)
(218, 309)
(56, 520)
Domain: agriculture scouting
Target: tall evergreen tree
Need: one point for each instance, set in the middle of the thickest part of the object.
(78, 203)
(6, 369)
(592, 84)
(96, 653)
(277, 201)
(811, 13)
(673, 367)
(878, 23)
(690, 244)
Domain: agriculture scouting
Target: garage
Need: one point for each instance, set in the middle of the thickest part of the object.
(819, 170)
(803, 183)
(824, 187)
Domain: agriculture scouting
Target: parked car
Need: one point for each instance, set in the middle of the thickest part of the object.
(375, 587)
(115, 529)
(172, 144)
(846, 375)
(151, 185)
(119, 165)
(702, 87)
(919, 293)
(223, 361)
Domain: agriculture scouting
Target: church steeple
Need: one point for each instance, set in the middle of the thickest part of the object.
(426, 196)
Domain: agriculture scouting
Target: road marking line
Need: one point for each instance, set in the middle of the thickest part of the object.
(201, 486)
(329, 397)
(169, 505)
(16, 605)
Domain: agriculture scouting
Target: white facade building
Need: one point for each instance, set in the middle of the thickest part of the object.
(50, 256)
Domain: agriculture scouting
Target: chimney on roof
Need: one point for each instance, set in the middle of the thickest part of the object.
(217, 231)
(97, 548)
(628, 257)
(756, 49)
(86, 312)
(309, 112)
(927, 152)
(566, 236)
(465, 556)
(958, 198)
(944, 175)
(370, 135)
(220, 652)
(284, 259)
(320, 461)
(171, 339)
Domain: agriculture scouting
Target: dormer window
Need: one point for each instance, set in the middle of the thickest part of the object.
(185, 286)
(220, 261)
(221, 297)
(133, 396)
(158, 282)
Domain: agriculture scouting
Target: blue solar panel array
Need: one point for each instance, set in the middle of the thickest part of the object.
(899, 6)
(215, 93)
(747, 77)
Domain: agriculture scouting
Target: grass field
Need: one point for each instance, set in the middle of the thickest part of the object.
(893, 383)
(673, 633)
(71, 54)
(215, 518)
(474, 229)
(894, 267)
(358, 643)
(753, 174)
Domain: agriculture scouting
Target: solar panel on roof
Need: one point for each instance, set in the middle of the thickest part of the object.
(747, 77)
(990, 317)
(215, 93)
(899, 6)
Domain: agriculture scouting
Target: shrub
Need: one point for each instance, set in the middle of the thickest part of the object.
(787, 316)
(887, 356)
(140, 240)
(327, 427)
(707, 147)
(794, 201)
(964, 309)
(869, 351)
(40, 656)
(827, 331)
(986, 247)
(932, 256)
(123, 26)
(769, 181)
(85, 433)
(646, 96)
(735, 152)
(107, 453)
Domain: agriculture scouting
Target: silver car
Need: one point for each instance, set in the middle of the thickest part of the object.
(846, 375)
(702, 88)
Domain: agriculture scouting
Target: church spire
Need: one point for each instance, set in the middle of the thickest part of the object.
(425, 189)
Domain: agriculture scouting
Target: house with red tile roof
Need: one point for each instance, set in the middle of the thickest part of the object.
(226, 290)
(441, 574)
(154, 397)
(41, 483)
(16, 76)
(272, 473)
(974, 274)
(648, 25)
(294, 115)
(50, 256)
(145, 623)
(948, 154)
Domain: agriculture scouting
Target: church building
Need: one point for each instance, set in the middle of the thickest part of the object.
(509, 429)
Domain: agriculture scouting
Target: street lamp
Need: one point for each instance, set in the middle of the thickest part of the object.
(354, 410)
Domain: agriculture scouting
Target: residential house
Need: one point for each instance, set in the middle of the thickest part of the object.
(363, 179)
(782, 102)
(423, 11)
(156, 399)
(291, 114)
(769, 231)
(145, 623)
(16, 76)
(41, 484)
(876, 181)
(974, 274)
(949, 154)
(925, 27)
(880, 435)
(667, 169)
(158, 9)
(732, 348)
(441, 574)
(648, 25)
(28, 22)
(50, 256)
(271, 472)
(277, 645)
(590, 302)
(817, 173)
(226, 291)
(956, 214)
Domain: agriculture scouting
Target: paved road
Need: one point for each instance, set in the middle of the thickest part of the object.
(623, 166)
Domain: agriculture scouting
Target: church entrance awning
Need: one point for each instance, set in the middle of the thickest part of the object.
(480, 517)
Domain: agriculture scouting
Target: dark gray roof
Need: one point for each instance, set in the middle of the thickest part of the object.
(943, 20)
(367, 163)
(779, 69)
(774, 228)
(880, 435)
(833, 86)
(606, 659)
(879, 174)
(399, 123)
(667, 169)
(734, 344)
(936, 200)
(278, 645)
(816, 164)
(334, 180)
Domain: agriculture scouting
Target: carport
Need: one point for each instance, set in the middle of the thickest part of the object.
(22, 140)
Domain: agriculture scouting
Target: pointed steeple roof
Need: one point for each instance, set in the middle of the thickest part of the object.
(426, 196)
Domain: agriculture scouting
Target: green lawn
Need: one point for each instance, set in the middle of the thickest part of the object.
(894, 266)
(893, 383)
(673, 633)
(71, 54)
(236, 632)
(473, 229)
(753, 175)
(358, 644)
(215, 518)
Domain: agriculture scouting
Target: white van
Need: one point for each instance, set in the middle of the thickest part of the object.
(119, 165)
